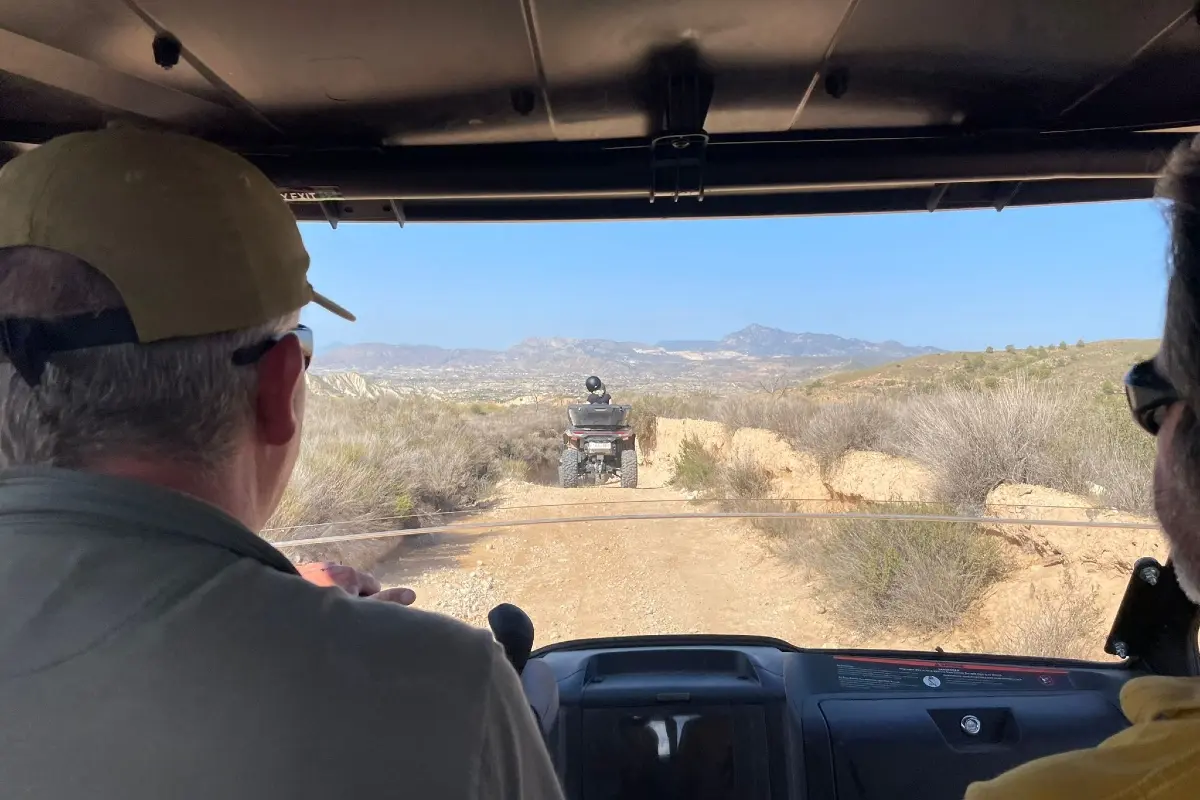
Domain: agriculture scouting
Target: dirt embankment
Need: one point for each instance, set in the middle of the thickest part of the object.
(582, 579)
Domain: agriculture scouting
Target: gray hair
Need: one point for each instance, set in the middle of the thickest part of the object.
(182, 400)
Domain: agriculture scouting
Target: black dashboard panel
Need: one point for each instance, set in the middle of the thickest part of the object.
(713, 718)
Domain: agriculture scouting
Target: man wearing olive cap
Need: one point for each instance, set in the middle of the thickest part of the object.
(151, 401)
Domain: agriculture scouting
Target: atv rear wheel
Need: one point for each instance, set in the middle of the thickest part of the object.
(629, 469)
(568, 468)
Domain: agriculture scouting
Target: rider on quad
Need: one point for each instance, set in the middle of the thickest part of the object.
(596, 391)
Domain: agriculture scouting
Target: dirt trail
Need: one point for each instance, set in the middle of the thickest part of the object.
(585, 579)
(611, 578)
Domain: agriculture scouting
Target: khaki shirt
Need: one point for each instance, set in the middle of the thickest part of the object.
(152, 647)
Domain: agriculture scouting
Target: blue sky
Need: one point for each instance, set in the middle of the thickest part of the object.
(956, 280)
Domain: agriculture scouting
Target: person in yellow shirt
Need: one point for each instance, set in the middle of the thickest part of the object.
(1158, 756)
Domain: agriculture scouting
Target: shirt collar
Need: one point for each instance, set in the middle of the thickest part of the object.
(131, 504)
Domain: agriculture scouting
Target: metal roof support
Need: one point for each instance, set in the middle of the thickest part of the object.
(332, 211)
(1005, 194)
(935, 196)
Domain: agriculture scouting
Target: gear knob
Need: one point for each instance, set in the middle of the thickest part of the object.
(513, 629)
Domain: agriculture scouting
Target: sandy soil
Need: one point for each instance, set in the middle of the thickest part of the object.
(612, 578)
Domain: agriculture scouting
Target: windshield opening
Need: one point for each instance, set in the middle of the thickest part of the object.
(902, 431)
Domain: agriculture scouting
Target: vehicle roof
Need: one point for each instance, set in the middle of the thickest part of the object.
(462, 110)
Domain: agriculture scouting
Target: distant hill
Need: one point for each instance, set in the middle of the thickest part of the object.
(538, 369)
(751, 344)
(764, 342)
(1094, 367)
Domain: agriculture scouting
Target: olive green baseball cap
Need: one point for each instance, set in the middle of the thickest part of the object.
(195, 238)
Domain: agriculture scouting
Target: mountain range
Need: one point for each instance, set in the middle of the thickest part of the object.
(754, 343)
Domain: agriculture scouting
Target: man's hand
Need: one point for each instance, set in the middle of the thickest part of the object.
(352, 581)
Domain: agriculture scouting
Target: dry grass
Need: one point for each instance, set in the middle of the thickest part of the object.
(1103, 450)
(911, 575)
(385, 464)
(786, 414)
(527, 440)
(973, 440)
(835, 429)
(1063, 623)
(741, 478)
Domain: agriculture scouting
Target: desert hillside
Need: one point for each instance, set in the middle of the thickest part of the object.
(1086, 366)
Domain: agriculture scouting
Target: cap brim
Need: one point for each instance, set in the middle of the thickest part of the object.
(327, 304)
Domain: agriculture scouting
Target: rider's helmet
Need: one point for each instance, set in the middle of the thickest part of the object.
(593, 384)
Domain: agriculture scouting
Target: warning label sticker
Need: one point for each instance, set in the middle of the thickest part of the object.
(866, 673)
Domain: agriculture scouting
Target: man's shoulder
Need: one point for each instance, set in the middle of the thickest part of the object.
(371, 638)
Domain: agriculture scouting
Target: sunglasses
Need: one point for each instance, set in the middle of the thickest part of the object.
(1150, 394)
(250, 355)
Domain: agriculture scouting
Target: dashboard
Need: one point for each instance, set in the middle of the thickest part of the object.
(718, 718)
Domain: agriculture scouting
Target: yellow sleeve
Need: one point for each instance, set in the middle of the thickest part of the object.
(1159, 759)
(1059, 777)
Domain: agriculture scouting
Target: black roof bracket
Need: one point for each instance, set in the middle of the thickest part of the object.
(332, 210)
(677, 166)
(678, 148)
(1155, 625)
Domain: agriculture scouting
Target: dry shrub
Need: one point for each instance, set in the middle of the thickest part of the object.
(790, 538)
(1103, 448)
(527, 440)
(695, 467)
(787, 415)
(973, 440)
(837, 428)
(742, 478)
(1062, 623)
(385, 464)
(914, 575)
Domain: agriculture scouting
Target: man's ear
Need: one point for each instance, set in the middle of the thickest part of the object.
(279, 371)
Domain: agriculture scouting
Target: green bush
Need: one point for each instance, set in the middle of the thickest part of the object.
(695, 467)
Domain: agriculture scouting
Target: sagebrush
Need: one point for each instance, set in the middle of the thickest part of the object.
(837, 428)
(973, 440)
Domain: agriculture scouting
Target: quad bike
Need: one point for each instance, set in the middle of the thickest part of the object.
(599, 443)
